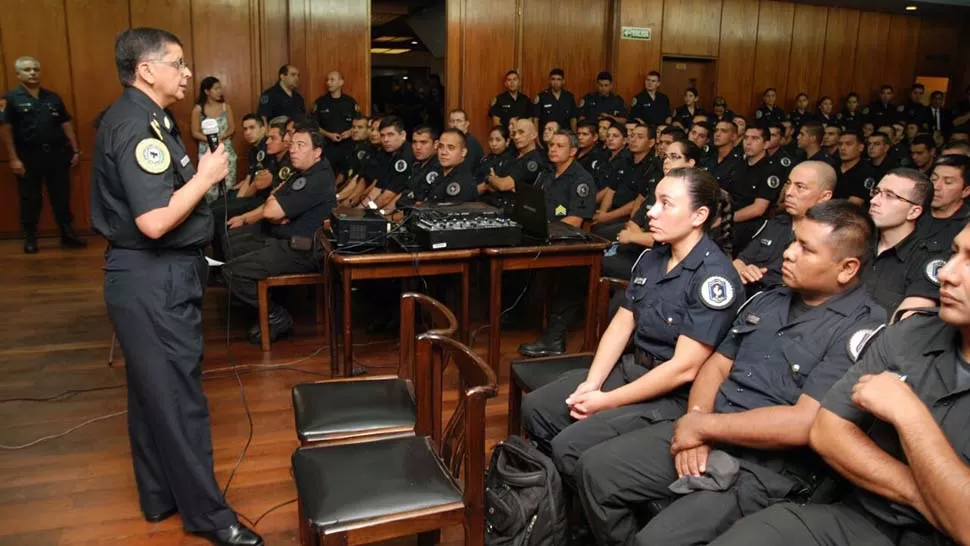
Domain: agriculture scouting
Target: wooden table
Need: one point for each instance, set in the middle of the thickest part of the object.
(560, 254)
(383, 264)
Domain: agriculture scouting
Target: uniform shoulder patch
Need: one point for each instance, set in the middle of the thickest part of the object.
(785, 162)
(932, 270)
(494, 99)
(560, 210)
(865, 111)
(759, 114)
(400, 165)
(869, 183)
(152, 156)
(361, 154)
(717, 292)
(582, 102)
(594, 164)
(260, 155)
(284, 173)
(299, 184)
(633, 102)
(431, 177)
(264, 99)
(582, 190)
(838, 116)
(900, 108)
(774, 182)
(859, 340)
(453, 189)
(535, 100)
(532, 166)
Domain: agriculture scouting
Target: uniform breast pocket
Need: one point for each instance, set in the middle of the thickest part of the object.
(800, 361)
(662, 319)
(54, 112)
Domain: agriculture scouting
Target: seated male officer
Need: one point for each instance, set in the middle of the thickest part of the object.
(759, 264)
(395, 165)
(251, 191)
(949, 211)
(895, 427)
(453, 182)
(425, 169)
(903, 274)
(754, 187)
(280, 239)
(524, 169)
(754, 400)
(627, 181)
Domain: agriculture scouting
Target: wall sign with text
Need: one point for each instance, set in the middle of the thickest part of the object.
(635, 33)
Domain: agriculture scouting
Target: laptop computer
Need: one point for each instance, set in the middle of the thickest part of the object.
(529, 210)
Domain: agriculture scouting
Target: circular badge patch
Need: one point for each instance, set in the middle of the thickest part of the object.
(933, 270)
(299, 184)
(260, 155)
(532, 166)
(759, 114)
(453, 189)
(857, 342)
(264, 99)
(152, 156)
(536, 100)
(838, 116)
(865, 111)
(361, 154)
(582, 190)
(785, 162)
(400, 165)
(431, 177)
(582, 102)
(774, 182)
(717, 292)
(594, 164)
(900, 108)
(284, 173)
(633, 102)
(869, 183)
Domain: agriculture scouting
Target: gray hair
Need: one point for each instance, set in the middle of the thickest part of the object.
(21, 61)
(573, 140)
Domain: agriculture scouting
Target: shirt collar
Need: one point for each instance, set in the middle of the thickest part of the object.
(154, 111)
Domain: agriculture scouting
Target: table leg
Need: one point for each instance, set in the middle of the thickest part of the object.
(589, 337)
(329, 273)
(348, 360)
(465, 326)
(495, 314)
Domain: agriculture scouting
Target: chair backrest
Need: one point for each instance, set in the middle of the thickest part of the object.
(461, 443)
(603, 289)
(443, 322)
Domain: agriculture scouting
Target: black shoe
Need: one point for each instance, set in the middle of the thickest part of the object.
(234, 535)
(280, 324)
(69, 239)
(544, 346)
(161, 516)
(30, 243)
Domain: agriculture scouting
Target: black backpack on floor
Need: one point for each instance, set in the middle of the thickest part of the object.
(524, 500)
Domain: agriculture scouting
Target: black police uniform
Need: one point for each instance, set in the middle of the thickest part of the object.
(908, 269)
(878, 171)
(153, 290)
(777, 356)
(800, 118)
(336, 115)
(596, 162)
(770, 116)
(766, 250)
(941, 231)
(359, 155)
(759, 181)
(825, 158)
(263, 250)
(474, 155)
(625, 177)
(594, 105)
(493, 161)
(618, 261)
(915, 112)
(881, 114)
(423, 175)
(524, 169)
(827, 120)
(505, 107)
(785, 160)
(685, 117)
(927, 351)
(43, 148)
(724, 171)
(697, 299)
(396, 169)
(456, 186)
(652, 110)
(849, 120)
(856, 182)
(548, 108)
(277, 102)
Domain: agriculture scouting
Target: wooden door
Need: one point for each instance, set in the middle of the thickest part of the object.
(679, 74)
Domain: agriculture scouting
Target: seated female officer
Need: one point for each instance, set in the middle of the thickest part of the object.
(681, 301)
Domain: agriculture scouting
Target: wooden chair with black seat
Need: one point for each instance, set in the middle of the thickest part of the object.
(360, 408)
(527, 375)
(366, 492)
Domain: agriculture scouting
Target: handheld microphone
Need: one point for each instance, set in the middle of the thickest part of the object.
(210, 128)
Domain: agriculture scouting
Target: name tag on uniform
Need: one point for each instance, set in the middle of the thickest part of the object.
(640, 281)
(752, 319)
(185, 160)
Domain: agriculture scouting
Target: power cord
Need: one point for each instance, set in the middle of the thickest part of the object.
(471, 338)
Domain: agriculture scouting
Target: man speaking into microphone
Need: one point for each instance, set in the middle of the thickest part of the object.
(147, 201)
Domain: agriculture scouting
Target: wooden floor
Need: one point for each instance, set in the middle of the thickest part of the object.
(79, 489)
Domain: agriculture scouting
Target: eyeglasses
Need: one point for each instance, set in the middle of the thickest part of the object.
(889, 194)
(177, 65)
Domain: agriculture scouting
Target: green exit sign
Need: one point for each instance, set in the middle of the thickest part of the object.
(636, 33)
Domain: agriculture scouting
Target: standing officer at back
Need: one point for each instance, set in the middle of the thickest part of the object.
(334, 113)
(556, 103)
(147, 201)
(41, 146)
(510, 104)
(883, 111)
(283, 99)
(604, 103)
(652, 106)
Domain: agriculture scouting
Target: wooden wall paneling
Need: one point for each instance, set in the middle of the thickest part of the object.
(735, 69)
(37, 28)
(348, 24)
(900, 66)
(807, 50)
(273, 40)
(871, 48)
(489, 53)
(174, 16)
(567, 35)
(838, 57)
(939, 42)
(3, 89)
(298, 13)
(454, 14)
(91, 29)
(691, 27)
(773, 51)
(634, 58)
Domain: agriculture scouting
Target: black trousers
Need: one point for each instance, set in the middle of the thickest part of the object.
(254, 255)
(51, 167)
(154, 300)
(546, 419)
(808, 525)
(222, 211)
(620, 264)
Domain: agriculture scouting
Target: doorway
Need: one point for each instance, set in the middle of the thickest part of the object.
(679, 73)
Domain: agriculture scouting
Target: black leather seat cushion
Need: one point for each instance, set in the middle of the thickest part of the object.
(532, 374)
(346, 483)
(325, 409)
